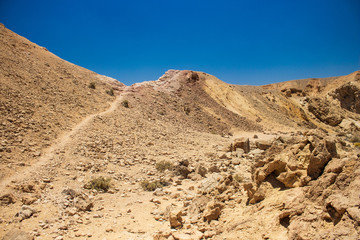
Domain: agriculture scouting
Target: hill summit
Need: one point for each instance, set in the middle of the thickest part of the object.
(187, 156)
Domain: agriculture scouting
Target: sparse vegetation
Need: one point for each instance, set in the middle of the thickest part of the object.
(125, 103)
(152, 186)
(164, 165)
(357, 144)
(110, 92)
(92, 85)
(238, 178)
(100, 184)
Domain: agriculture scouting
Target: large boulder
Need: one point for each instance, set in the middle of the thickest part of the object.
(297, 164)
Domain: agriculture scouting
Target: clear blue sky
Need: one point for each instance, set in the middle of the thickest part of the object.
(241, 42)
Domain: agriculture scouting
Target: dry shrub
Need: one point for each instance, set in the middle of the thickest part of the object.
(125, 103)
(152, 186)
(99, 184)
(164, 165)
(92, 85)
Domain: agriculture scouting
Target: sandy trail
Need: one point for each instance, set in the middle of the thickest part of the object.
(60, 143)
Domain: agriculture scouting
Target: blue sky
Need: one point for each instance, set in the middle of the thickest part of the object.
(241, 42)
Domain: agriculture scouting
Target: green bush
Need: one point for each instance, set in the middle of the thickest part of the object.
(164, 165)
(357, 144)
(99, 184)
(92, 85)
(152, 186)
(125, 103)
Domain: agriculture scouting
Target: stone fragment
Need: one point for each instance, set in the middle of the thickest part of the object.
(175, 219)
(25, 212)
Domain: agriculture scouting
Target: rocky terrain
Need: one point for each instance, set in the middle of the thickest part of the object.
(188, 156)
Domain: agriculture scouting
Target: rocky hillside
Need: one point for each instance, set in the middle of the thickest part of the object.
(184, 157)
(41, 97)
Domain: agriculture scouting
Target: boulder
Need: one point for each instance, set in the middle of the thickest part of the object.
(263, 144)
(243, 143)
(260, 193)
(83, 203)
(324, 151)
(212, 210)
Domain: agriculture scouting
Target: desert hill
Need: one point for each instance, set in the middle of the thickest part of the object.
(187, 156)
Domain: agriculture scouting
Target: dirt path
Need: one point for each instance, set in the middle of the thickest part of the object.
(60, 143)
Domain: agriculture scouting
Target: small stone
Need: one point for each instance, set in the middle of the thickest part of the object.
(159, 192)
(71, 211)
